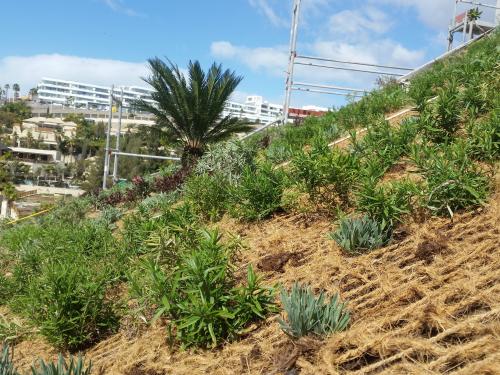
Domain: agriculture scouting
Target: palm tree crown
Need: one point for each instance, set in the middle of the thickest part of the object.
(190, 105)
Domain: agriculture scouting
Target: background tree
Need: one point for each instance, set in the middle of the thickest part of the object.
(6, 87)
(16, 89)
(190, 108)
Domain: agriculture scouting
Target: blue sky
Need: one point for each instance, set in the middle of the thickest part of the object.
(108, 41)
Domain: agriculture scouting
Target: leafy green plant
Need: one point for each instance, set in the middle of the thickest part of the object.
(6, 364)
(327, 175)
(226, 159)
(69, 305)
(308, 314)
(208, 195)
(386, 203)
(157, 202)
(453, 180)
(440, 118)
(201, 298)
(259, 193)
(483, 137)
(62, 367)
(356, 235)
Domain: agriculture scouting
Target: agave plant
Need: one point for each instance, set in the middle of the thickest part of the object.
(308, 314)
(61, 367)
(356, 235)
(6, 365)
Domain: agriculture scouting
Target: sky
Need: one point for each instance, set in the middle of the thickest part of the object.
(109, 41)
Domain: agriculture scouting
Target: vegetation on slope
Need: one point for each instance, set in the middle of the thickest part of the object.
(165, 262)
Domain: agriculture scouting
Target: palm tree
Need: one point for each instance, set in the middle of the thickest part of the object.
(6, 87)
(189, 107)
(16, 89)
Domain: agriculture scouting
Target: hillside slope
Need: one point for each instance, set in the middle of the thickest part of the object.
(423, 289)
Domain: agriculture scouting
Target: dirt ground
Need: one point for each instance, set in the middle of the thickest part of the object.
(429, 303)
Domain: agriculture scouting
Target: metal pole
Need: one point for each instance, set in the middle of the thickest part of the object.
(108, 131)
(350, 62)
(350, 69)
(328, 87)
(464, 34)
(118, 135)
(145, 156)
(451, 27)
(480, 4)
(291, 58)
(326, 92)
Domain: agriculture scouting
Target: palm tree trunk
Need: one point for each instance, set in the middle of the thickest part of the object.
(190, 156)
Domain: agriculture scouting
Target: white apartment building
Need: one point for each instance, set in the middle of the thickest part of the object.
(90, 96)
(86, 95)
(255, 109)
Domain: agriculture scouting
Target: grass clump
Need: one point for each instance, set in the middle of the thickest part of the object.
(357, 235)
(308, 314)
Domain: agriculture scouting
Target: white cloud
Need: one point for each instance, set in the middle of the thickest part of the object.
(273, 60)
(265, 59)
(28, 70)
(433, 13)
(357, 23)
(267, 10)
(118, 6)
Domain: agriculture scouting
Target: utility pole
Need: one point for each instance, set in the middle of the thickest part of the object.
(107, 150)
(118, 135)
(291, 58)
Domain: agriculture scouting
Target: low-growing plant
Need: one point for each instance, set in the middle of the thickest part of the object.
(226, 159)
(69, 305)
(308, 314)
(453, 180)
(483, 137)
(208, 194)
(201, 298)
(6, 362)
(356, 235)
(386, 203)
(326, 175)
(74, 366)
(440, 118)
(258, 193)
(157, 202)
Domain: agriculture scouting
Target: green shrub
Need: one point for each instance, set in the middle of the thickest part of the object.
(174, 226)
(157, 202)
(326, 175)
(453, 180)
(440, 118)
(6, 364)
(258, 193)
(383, 145)
(357, 235)
(208, 195)
(386, 203)
(226, 159)
(69, 305)
(308, 314)
(201, 298)
(483, 137)
(62, 367)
